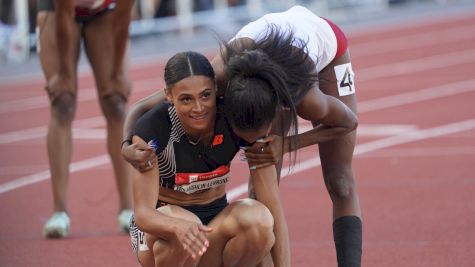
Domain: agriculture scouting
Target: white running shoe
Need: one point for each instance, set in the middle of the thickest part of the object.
(124, 220)
(57, 226)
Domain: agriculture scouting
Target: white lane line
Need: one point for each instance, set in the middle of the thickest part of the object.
(424, 152)
(84, 94)
(416, 65)
(22, 135)
(373, 146)
(302, 166)
(364, 106)
(372, 129)
(376, 72)
(419, 39)
(417, 96)
(44, 175)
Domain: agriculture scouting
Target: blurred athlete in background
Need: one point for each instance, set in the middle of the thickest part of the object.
(103, 27)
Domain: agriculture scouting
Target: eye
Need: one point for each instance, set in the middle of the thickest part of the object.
(185, 100)
(206, 95)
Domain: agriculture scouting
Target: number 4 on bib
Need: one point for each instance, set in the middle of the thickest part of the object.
(345, 79)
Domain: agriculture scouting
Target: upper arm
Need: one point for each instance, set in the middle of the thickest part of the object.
(314, 106)
(328, 110)
(147, 103)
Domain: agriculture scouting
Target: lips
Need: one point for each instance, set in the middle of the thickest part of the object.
(199, 117)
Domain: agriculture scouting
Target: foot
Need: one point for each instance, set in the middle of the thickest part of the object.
(124, 220)
(57, 226)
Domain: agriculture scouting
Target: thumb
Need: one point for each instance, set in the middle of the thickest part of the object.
(205, 228)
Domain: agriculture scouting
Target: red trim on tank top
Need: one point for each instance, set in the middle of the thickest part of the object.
(341, 41)
(85, 12)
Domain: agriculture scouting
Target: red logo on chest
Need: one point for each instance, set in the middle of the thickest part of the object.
(218, 140)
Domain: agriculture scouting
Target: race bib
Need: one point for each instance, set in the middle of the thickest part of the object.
(192, 182)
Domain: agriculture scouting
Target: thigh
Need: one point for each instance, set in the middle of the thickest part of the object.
(47, 45)
(230, 222)
(145, 241)
(337, 80)
(106, 41)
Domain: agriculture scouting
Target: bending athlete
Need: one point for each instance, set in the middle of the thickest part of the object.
(320, 80)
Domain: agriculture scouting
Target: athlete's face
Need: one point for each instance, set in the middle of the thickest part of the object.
(195, 100)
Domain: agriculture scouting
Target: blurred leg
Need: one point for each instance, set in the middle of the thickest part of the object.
(62, 95)
(106, 39)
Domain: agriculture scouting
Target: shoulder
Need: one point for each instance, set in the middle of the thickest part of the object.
(154, 124)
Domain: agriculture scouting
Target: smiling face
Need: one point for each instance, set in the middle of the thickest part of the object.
(194, 98)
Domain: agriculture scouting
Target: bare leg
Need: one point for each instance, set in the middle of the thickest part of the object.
(168, 253)
(106, 41)
(336, 157)
(63, 107)
(242, 236)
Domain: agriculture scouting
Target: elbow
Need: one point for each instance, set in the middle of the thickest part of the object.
(355, 125)
(140, 218)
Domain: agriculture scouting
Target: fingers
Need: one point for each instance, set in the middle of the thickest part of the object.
(196, 243)
(144, 157)
(146, 166)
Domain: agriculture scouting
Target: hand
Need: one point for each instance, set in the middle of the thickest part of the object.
(265, 152)
(141, 156)
(192, 236)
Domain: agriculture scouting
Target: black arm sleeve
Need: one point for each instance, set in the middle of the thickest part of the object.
(155, 126)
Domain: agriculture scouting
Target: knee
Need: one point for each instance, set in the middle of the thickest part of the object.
(113, 105)
(258, 224)
(166, 253)
(63, 106)
(340, 184)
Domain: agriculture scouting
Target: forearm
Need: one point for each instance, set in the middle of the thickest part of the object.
(65, 23)
(147, 218)
(321, 133)
(267, 192)
(151, 221)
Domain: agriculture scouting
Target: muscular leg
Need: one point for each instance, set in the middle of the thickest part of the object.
(106, 40)
(168, 253)
(62, 108)
(242, 235)
(336, 157)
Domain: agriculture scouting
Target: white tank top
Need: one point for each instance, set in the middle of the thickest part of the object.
(306, 26)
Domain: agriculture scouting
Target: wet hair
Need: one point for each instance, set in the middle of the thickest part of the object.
(272, 72)
(185, 64)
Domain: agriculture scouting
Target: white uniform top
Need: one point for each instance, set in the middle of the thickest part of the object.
(306, 26)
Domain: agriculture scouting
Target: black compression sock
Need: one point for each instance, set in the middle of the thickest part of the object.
(347, 233)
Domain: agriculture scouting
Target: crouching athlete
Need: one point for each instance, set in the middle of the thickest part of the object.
(182, 217)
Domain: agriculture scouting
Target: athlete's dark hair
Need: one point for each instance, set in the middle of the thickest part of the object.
(269, 73)
(186, 64)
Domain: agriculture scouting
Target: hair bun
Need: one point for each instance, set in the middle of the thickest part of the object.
(248, 63)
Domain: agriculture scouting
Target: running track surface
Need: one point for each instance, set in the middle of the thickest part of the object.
(414, 162)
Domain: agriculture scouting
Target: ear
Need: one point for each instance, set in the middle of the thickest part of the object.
(168, 95)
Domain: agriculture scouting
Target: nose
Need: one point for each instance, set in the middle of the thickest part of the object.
(198, 106)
